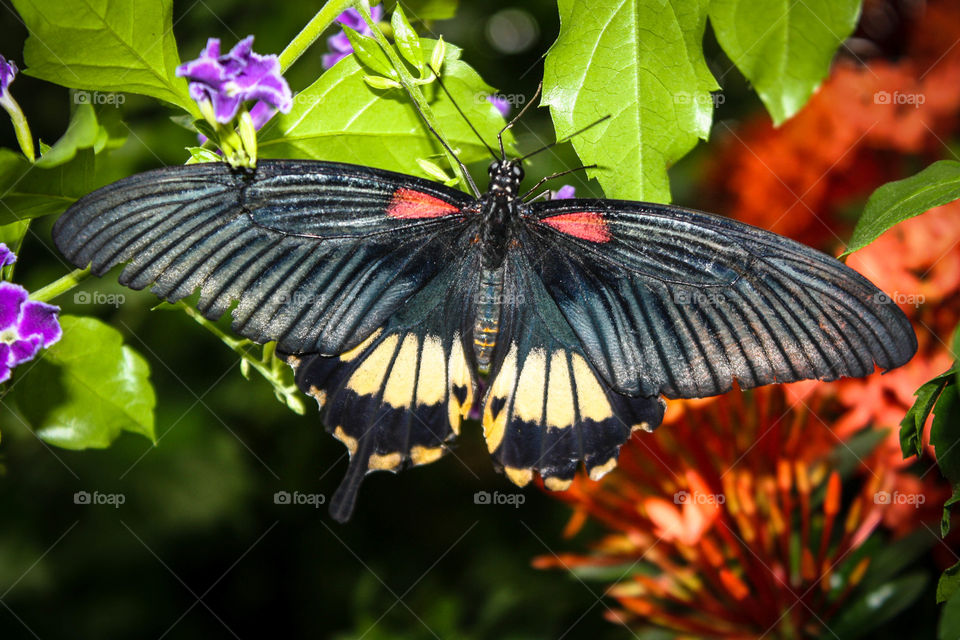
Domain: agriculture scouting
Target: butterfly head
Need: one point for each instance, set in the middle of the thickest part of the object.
(505, 177)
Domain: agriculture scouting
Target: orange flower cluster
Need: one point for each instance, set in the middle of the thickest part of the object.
(715, 503)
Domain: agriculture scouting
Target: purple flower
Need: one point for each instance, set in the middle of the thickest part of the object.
(227, 81)
(8, 70)
(501, 103)
(7, 257)
(26, 326)
(339, 44)
(564, 193)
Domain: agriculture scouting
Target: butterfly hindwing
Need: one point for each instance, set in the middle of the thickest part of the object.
(319, 255)
(667, 300)
(399, 397)
(546, 409)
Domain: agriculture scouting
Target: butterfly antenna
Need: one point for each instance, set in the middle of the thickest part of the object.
(463, 168)
(503, 153)
(556, 175)
(460, 111)
(562, 140)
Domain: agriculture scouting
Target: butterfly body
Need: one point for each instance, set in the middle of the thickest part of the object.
(391, 295)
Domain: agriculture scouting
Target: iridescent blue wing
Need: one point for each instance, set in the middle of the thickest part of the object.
(673, 301)
(318, 255)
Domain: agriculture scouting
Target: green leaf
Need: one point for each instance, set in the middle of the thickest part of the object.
(431, 9)
(642, 64)
(897, 201)
(407, 40)
(911, 427)
(82, 133)
(368, 52)
(104, 387)
(201, 154)
(893, 557)
(101, 45)
(340, 118)
(874, 607)
(945, 438)
(949, 627)
(784, 48)
(27, 191)
(949, 585)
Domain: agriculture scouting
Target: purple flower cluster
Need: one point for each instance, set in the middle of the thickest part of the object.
(8, 70)
(26, 326)
(227, 81)
(339, 44)
(566, 192)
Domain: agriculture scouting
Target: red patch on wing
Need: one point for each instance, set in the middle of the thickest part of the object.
(586, 225)
(409, 203)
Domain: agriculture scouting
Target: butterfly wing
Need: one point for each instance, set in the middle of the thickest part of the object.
(399, 397)
(547, 410)
(319, 255)
(673, 301)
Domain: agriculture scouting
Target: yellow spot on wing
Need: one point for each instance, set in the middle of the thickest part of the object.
(403, 375)
(432, 381)
(560, 413)
(519, 477)
(501, 388)
(347, 356)
(342, 436)
(368, 377)
(603, 469)
(591, 398)
(385, 462)
(319, 394)
(528, 401)
(459, 375)
(557, 484)
(425, 455)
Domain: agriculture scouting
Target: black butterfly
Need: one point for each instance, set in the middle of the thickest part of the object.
(389, 294)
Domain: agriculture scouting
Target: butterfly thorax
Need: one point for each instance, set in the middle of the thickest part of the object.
(499, 209)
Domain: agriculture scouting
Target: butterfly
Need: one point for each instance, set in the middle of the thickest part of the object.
(392, 296)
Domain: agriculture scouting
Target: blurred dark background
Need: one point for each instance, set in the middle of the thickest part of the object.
(199, 549)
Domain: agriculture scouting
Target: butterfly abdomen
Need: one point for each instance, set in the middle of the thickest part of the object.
(486, 326)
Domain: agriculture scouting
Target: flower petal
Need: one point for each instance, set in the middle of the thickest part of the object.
(6, 255)
(23, 350)
(4, 356)
(11, 297)
(40, 319)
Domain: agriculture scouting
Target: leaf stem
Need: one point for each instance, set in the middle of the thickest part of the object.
(60, 285)
(20, 125)
(309, 34)
(413, 90)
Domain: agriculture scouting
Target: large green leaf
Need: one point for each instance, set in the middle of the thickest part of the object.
(945, 438)
(340, 118)
(105, 45)
(100, 387)
(897, 201)
(949, 627)
(28, 191)
(911, 427)
(875, 606)
(641, 63)
(783, 47)
(427, 9)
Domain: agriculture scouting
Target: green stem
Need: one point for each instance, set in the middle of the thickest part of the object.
(413, 90)
(309, 34)
(60, 285)
(20, 126)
